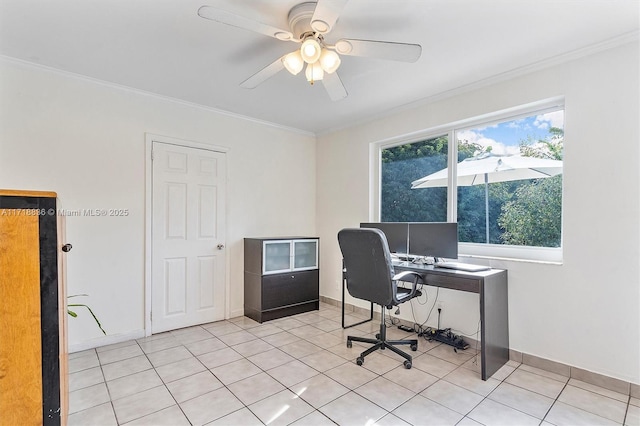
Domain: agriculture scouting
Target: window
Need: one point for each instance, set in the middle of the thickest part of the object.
(507, 194)
(403, 164)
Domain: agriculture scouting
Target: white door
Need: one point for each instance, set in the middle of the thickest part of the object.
(188, 236)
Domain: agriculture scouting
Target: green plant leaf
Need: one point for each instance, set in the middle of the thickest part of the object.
(90, 311)
(77, 295)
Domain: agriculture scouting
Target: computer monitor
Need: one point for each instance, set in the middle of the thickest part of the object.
(396, 233)
(434, 239)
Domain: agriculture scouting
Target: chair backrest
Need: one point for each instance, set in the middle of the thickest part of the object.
(368, 264)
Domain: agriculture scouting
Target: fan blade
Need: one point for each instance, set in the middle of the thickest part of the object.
(262, 75)
(326, 14)
(403, 52)
(228, 18)
(334, 87)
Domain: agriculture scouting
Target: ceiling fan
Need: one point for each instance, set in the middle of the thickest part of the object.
(309, 24)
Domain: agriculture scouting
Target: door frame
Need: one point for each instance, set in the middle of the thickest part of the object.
(150, 138)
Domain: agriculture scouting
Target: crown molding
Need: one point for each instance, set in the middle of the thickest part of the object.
(128, 89)
(605, 45)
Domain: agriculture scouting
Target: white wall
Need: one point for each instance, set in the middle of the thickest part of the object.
(586, 312)
(86, 141)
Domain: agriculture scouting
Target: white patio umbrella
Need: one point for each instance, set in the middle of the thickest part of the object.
(488, 168)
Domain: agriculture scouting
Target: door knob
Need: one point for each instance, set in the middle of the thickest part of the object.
(220, 246)
(67, 248)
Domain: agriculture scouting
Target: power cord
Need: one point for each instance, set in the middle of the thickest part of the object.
(426, 331)
(475, 333)
(417, 299)
(390, 321)
(432, 306)
(420, 328)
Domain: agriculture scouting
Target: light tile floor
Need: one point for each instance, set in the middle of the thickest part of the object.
(298, 371)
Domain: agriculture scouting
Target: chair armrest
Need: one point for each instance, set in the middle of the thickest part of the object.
(402, 276)
(406, 277)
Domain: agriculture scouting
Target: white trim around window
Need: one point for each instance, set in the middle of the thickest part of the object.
(475, 250)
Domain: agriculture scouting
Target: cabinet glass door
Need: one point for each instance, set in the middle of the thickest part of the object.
(305, 254)
(277, 256)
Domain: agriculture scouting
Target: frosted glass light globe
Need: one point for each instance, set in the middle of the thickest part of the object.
(310, 50)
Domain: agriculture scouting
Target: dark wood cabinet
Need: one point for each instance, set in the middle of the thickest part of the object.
(281, 277)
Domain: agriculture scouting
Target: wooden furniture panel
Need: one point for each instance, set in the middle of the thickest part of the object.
(62, 320)
(289, 289)
(494, 313)
(33, 389)
(453, 282)
(20, 337)
(491, 286)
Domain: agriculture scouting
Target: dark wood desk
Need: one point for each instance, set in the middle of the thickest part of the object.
(491, 286)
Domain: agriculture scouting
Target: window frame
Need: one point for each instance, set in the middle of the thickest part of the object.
(553, 255)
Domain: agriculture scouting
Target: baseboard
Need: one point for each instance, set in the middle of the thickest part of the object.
(352, 309)
(236, 313)
(616, 385)
(572, 372)
(105, 340)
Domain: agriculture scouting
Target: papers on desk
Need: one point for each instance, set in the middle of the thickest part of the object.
(403, 257)
(468, 267)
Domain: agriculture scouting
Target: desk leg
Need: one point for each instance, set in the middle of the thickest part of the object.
(494, 318)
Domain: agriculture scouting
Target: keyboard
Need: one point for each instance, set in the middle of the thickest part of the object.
(468, 267)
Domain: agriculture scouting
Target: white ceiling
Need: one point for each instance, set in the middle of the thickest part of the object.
(164, 47)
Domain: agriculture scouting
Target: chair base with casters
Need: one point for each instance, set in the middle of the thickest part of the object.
(381, 342)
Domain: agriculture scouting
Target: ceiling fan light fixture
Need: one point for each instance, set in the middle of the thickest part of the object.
(310, 50)
(293, 62)
(329, 60)
(314, 73)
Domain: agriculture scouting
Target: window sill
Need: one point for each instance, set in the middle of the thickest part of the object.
(541, 255)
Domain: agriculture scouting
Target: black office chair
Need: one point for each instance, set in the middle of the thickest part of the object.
(370, 276)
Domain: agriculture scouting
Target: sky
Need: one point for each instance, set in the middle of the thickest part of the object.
(505, 137)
